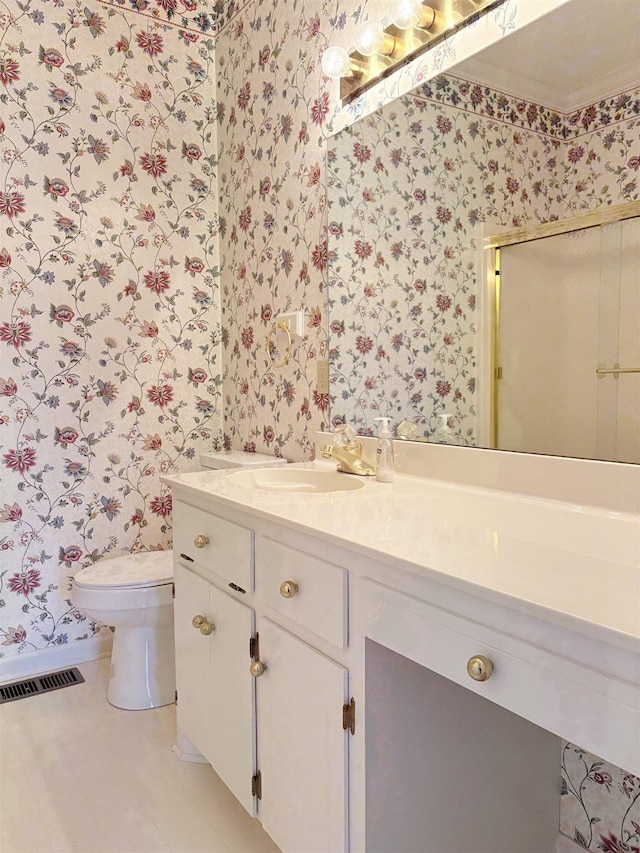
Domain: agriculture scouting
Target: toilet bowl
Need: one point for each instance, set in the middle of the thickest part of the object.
(134, 595)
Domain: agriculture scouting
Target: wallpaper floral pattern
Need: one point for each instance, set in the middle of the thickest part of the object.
(600, 806)
(273, 105)
(409, 188)
(199, 16)
(109, 337)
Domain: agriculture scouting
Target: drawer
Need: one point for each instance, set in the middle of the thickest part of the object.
(580, 703)
(318, 600)
(227, 548)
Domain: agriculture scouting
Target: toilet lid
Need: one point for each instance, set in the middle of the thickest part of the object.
(146, 568)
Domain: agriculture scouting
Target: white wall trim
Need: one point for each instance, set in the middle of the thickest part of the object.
(52, 658)
(186, 750)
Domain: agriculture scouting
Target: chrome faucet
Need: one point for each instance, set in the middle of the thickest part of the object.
(347, 452)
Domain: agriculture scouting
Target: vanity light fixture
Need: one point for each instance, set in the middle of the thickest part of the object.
(415, 27)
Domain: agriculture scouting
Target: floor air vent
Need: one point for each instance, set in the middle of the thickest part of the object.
(41, 684)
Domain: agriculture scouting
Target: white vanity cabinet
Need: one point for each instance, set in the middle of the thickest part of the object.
(337, 608)
(259, 693)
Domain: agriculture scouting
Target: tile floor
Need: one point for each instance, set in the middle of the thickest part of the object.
(77, 774)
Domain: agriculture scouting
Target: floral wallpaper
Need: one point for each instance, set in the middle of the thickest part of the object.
(480, 100)
(273, 105)
(409, 188)
(109, 333)
(600, 805)
(197, 16)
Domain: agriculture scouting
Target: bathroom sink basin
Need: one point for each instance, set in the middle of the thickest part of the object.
(294, 480)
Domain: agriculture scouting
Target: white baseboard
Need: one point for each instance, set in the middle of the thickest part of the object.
(191, 757)
(29, 664)
(566, 845)
(186, 750)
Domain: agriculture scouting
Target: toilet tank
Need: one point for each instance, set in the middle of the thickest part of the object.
(239, 459)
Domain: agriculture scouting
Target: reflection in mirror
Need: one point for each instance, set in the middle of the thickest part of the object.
(565, 321)
(416, 187)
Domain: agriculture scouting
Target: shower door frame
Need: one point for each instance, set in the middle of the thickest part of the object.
(491, 252)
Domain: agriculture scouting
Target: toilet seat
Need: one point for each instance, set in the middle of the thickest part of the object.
(143, 570)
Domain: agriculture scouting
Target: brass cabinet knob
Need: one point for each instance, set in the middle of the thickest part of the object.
(288, 589)
(480, 668)
(203, 625)
(201, 541)
(257, 668)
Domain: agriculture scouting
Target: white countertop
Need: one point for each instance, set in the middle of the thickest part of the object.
(571, 565)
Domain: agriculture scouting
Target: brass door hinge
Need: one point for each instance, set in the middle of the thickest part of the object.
(349, 716)
(498, 373)
(176, 699)
(256, 785)
(254, 647)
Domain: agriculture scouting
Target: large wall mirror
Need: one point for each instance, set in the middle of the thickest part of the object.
(544, 356)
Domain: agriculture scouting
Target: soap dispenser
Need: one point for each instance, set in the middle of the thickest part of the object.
(384, 453)
(443, 433)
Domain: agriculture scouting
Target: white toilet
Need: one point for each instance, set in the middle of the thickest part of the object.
(134, 594)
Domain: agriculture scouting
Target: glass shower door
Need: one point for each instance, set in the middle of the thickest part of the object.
(569, 314)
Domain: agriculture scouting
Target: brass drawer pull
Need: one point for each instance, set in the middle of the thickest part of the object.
(257, 668)
(288, 589)
(203, 625)
(480, 668)
(201, 541)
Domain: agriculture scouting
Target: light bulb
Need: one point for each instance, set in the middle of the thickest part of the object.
(410, 14)
(336, 62)
(371, 39)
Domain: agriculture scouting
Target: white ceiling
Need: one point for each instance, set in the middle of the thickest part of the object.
(584, 51)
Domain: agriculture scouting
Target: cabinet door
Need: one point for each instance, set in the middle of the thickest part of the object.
(232, 697)
(302, 747)
(193, 656)
(216, 693)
